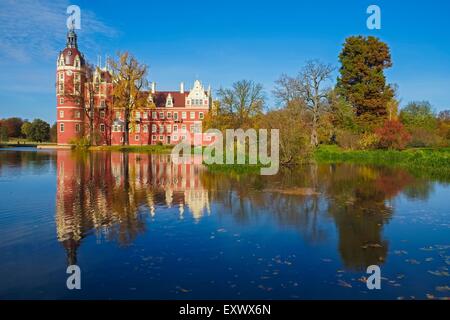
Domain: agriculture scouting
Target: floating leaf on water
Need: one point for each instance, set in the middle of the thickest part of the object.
(412, 261)
(221, 230)
(439, 273)
(429, 259)
(443, 288)
(400, 276)
(363, 279)
(327, 260)
(342, 283)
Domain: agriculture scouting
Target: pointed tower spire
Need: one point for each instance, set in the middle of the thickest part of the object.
(71, 39)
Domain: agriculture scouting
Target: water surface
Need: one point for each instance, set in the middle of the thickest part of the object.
(141, 227)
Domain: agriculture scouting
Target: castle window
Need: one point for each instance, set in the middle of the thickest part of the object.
(61, 114)
(61, 100)
(169, 101)
(102, 127)
(175, 128)
(102, 114)
(145, 128)
(136, 137)
(77, 114)
(175, 138)
(183, 115)
(61, 76)
(183, 128)
(138, 128)
(175, 116)
(192, 115)
(191, 128)
(161, 115)
(169, 115)
(153, 137)
(161, 138)
(61, 87)
(117, 114)
(61, 127)
(201, 116)
(138, 115)
(77, 127)
(169, 128)
(153, 128)
(102, 103)
(153, 115)
(161, 129)
(145, 115)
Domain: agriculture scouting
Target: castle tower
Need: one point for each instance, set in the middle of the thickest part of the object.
(70, 79)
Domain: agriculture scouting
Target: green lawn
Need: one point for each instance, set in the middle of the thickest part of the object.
(22, 142)
(149, 149)
(421, 161)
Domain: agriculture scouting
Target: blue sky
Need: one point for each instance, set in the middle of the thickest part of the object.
(219, 43)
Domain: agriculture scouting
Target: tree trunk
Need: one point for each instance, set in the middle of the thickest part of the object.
(127, 126)
(314, 137)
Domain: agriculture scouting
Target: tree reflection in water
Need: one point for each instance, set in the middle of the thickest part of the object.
(110, 193)
(358, 198)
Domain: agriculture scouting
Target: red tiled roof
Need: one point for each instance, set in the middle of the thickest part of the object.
(160, 97)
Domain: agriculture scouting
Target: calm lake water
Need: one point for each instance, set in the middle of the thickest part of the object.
(141, 227)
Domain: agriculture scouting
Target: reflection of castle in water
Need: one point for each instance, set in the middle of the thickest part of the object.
(109, 192)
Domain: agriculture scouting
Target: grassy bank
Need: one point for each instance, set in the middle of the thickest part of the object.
(22, 143)
(145, 149)
(424, 161)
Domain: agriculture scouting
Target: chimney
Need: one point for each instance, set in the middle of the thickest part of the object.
(182, 87)
(153, 87)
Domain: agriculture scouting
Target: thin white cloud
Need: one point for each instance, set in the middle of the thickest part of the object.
(33, 28)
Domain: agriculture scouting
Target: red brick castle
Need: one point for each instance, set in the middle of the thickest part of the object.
(169, 117)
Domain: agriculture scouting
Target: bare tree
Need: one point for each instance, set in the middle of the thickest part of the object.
(312, 79)
(243, 101)
(307, 91)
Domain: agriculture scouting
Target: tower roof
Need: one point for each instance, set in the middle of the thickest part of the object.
(71, 39)
(71, 52)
